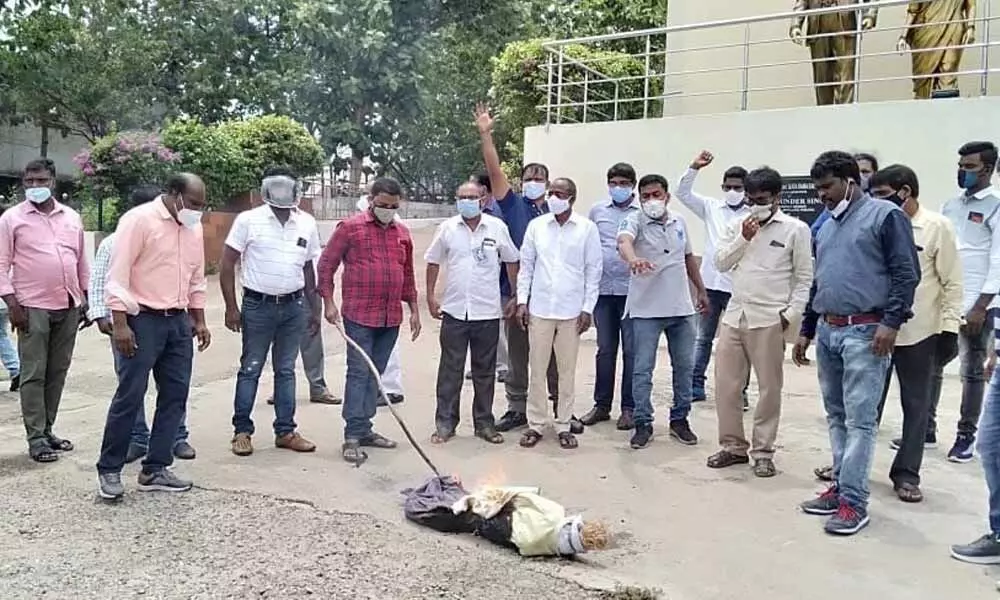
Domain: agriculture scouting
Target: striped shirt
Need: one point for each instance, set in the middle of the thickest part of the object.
(272, 254)
(99, 278)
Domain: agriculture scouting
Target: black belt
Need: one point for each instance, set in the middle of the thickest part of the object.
(281, 299)
(165, 312)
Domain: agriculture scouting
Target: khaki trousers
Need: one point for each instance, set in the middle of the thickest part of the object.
(738, 350)
(545, 338)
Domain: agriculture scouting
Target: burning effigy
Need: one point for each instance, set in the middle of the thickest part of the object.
(515, 517)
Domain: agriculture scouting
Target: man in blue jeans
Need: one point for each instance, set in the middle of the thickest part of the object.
(609, 313)
(866, 275)
(377, 253)
(657, 247)
(275, 244)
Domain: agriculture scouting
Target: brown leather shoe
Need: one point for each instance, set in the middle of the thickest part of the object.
(241, 445)
(294, 441)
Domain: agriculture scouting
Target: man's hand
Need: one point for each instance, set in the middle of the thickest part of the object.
(867, 24)
(522, 316)
(701, 303)
(701, 161)
(433, 307)
(799, 351)
(124, 341)
(510, 309)
(414, 325)
(975, 320)
(484, 122)
(884, 341)
(332, 314)
(796, 34)
(234, 320)
(204, 336)
(104, 326)
(784, 321)
(18, 317)
(312, 326)
(640, 266)
(750, 228)
(583, 322)
(991, 365)
(968, 36)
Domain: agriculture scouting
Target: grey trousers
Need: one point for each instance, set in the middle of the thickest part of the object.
(46, 352)
(311, 348)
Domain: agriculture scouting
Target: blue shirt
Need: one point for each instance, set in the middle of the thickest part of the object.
(822, 218)
(517, 211)
(616, 274)
(866, 262)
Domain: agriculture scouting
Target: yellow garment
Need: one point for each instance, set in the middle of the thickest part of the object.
(535, 521)
(923, 34)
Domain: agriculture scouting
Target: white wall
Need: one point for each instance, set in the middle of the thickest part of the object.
(20, 144)
(924, 135)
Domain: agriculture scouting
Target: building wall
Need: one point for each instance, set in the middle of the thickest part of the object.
(20, 144)
(881, 41)
(923, 135)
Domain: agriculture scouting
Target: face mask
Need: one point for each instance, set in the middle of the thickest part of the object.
(533, 190)
(967, 179)
(557, 205)
(468, 208)
(620, 194)
(762, 212)
(733, 197)
(895, 199)
(384, 215)
(838, 210)
(187, 217)
(37, 195)
(655, 209)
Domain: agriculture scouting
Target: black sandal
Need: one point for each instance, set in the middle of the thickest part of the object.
(907, 492)
(567, 441)
(725, 458)
(490, 435)
(530, 439)
(60, 444)
(764, 467)
(43, 454)
(378, 441)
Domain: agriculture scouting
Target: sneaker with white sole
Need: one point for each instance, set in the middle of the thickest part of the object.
(848, 520)
(964, 448)
(163, 481)
(110, 486)
(984, 551)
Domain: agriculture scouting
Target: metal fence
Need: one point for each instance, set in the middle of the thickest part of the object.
(578, 90)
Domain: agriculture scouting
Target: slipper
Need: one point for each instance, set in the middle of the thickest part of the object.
(907, 492)
(764, 467)
(530, 439)
(43, 454)
(352, 453)
(490, 435)
(60, 444)
(441, 438)
(567, 441)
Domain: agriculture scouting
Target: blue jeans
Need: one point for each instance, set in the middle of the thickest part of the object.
(989, 448)
(680, 332)
(165, 348)
(278, 327)
(361, 389)
(612, 327)
(707, 326)
(8, 353)
(851, 379)
(140, 430)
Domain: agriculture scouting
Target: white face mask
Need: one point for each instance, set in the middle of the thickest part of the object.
(733, 198)
(838, 210)
(654, 209)
(557, 205)
(762, 212)
(188, 217)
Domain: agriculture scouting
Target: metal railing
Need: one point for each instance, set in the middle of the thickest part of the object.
(581, 88)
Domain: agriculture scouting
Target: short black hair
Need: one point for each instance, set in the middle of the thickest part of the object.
(41, 164)
(896, 176)
(986, 150)
(483, 179)
(622, 170)
(533, 166)
(178, 183)
(143, 194)
(654, 179)
(735, 172)
(869, 157)
(570, 183)
(836, 163)
(763, 179)
(387, 186)
(279, 171)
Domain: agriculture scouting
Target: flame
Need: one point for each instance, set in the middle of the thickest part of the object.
(495, 477)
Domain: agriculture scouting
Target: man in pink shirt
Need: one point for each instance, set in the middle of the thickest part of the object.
(156, 293)
(44, 276)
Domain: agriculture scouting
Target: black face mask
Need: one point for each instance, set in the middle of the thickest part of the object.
(895, 199)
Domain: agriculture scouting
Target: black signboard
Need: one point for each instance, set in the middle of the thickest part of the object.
(799, 198)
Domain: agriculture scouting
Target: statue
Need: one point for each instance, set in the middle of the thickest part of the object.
(936, 33)
(833, 55)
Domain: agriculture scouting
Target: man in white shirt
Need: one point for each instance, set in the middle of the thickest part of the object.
(556, 293)
(717, 215)
(471, 246)
(657, 247)
(276, 245)
(975, 215)
(769, 257)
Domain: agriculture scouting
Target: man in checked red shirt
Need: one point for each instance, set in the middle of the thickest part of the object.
(377, 253)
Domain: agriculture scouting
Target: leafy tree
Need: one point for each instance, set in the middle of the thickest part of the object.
(217, 157)
(274, 140)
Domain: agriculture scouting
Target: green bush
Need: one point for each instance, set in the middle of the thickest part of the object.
(215, 155)
(276, 141)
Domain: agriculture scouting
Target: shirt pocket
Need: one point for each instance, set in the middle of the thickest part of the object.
(975, 235)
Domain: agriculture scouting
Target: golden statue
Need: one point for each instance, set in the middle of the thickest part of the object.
(833, 55)
(935, 35)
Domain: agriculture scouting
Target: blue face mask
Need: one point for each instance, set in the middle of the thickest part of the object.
(967, 179)
(533, 190)
(620, 194)
(37, 195)
(468, 208)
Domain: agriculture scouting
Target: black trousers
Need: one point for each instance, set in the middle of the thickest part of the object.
(914, 366)
(480, 338)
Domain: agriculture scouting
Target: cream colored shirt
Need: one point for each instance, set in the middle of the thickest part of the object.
(937, 302)
(772, 273)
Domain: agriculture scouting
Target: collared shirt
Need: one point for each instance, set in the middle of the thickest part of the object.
(976, 220)
(665, 292)
(42, 257)
(472, 259)
(937, 303)
(273, 255)
(560, 271)
(378, 270)
(771, 273)
(717, 216)
(156, 262)
(616, 274)
(517, 211)
(99, 279)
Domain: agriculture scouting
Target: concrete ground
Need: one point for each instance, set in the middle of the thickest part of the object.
(279, 525)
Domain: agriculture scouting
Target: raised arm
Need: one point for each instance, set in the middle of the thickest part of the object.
(695, 202)
(498, 180)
